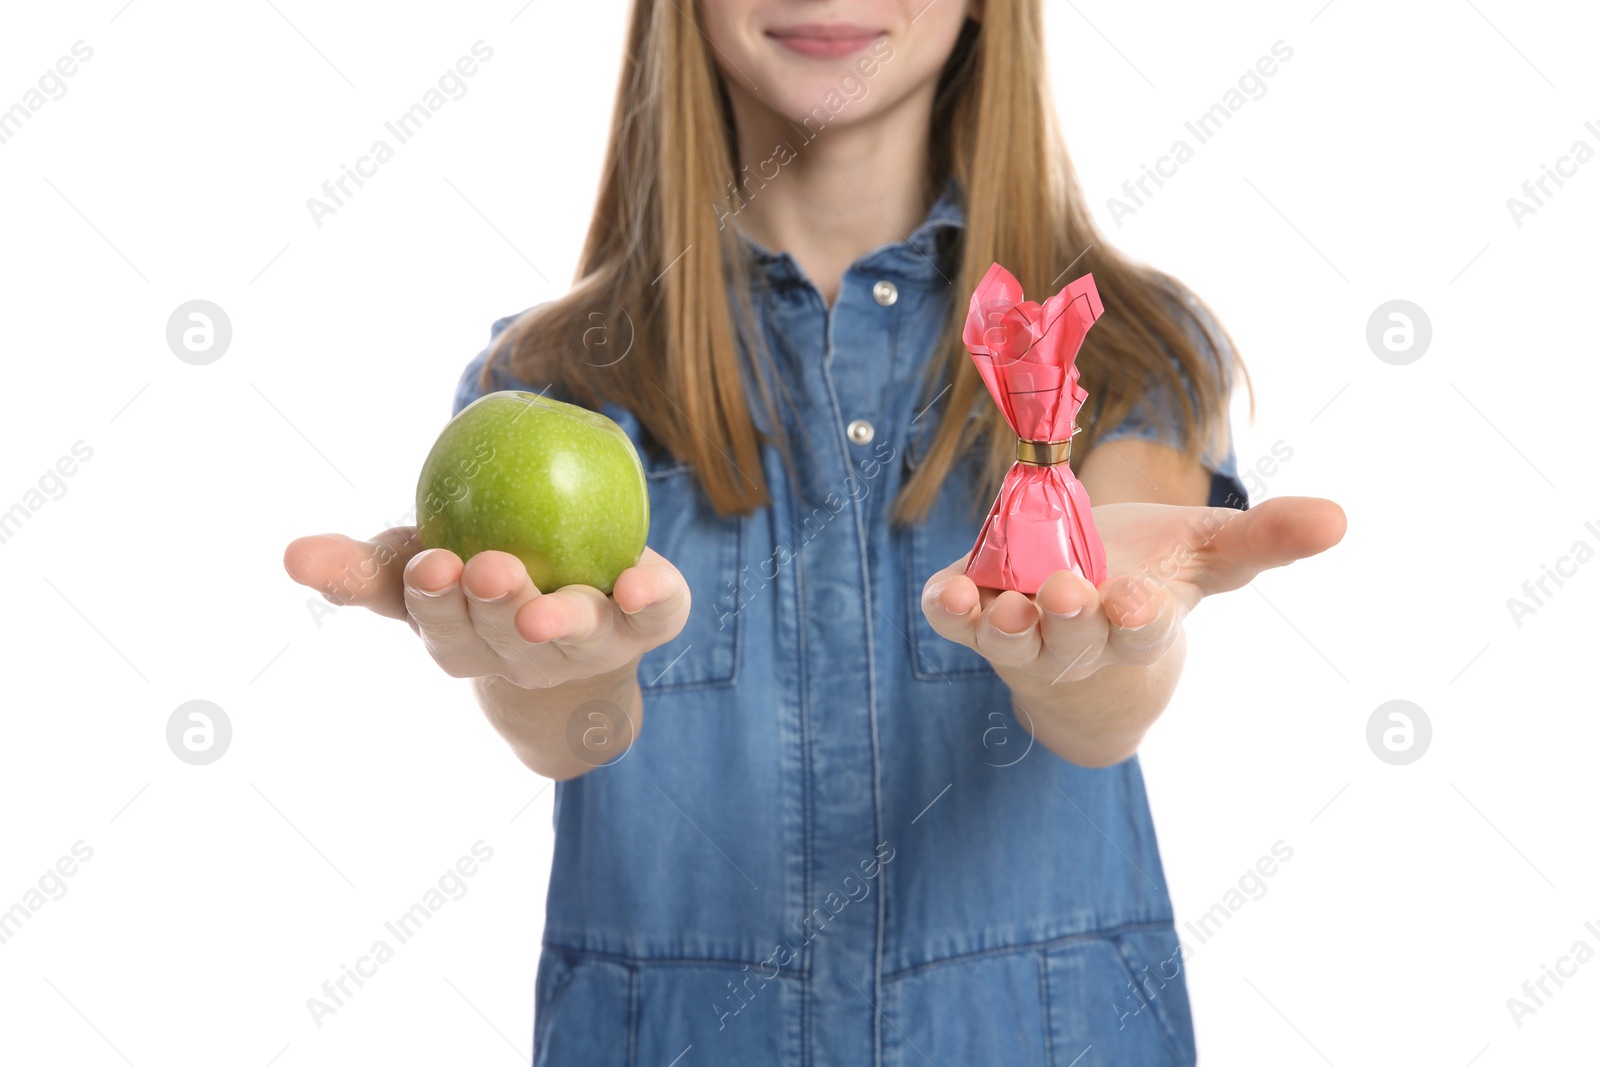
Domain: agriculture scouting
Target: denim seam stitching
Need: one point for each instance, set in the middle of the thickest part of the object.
(633, 1016)
(553, 998)
(920, 654)
(1049, 1015)
(1028, 946)
(733, 677)
(1168, 1038)
(843, 445)
(806, 800)
(625, 960)
(880, 917)
(804, 679)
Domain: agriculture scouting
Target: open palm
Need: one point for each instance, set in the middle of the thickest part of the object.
(1161, 560)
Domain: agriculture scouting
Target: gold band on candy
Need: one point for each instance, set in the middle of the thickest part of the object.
(1043, 453)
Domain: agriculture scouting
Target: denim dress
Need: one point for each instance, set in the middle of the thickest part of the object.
(832, 844)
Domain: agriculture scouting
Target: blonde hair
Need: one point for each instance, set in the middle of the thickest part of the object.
(672, 155)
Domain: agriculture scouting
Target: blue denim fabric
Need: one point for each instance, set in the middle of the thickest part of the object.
(832, 844)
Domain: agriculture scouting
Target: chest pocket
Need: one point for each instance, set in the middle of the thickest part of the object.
(947, 534)
(705, 547)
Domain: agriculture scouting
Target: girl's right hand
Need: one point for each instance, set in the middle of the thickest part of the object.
(486, 618)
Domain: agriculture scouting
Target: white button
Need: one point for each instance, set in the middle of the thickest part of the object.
(885, 293)
(860, 431)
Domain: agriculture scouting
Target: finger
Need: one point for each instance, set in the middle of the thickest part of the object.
(578, 619)
(950, 603)
(1143, 634)
(653, 597)
(1072, 623)
(498, 587)
(1008, 632)
(1274, 533)
(347, 571)
(431, 586)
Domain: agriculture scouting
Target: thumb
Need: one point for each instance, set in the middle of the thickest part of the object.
(1274, 533)
(347, 571)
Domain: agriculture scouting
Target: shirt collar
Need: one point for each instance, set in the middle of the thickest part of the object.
(918, 256)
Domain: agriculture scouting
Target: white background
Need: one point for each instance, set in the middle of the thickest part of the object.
(218, 899)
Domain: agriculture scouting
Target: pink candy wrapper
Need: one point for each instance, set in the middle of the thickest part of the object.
(1041, 522)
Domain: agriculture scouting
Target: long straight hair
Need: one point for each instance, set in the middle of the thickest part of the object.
(659, 257)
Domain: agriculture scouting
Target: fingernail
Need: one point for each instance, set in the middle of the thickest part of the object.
(435, 592)
(1008, 633)
(1073, 614)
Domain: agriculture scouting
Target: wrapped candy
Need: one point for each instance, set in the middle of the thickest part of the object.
(1041, 522)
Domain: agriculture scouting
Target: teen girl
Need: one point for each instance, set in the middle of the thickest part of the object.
(847, 808)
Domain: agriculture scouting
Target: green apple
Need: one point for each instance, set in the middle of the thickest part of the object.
(556, 485)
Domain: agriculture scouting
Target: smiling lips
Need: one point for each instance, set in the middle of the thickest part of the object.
(825, 42)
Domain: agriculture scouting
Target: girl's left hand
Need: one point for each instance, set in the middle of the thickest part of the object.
(1161, 559)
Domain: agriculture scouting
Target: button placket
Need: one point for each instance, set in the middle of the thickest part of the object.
(861, 431)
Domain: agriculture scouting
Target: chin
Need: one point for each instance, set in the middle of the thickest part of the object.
(817, 92)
